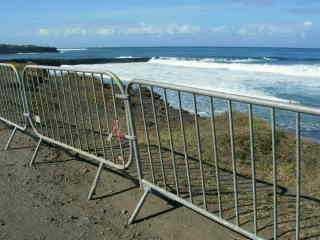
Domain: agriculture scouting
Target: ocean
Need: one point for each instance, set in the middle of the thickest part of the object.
(284, 74)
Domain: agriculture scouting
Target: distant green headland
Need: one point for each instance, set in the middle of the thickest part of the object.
(12, 49)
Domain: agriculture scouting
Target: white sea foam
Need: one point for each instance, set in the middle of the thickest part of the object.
(126, 57)
(239, 65)
(62, 50)
(27, 53)
(272, 86)
(218, 60)
(268, 86)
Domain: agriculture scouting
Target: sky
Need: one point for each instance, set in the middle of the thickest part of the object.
(97, 23)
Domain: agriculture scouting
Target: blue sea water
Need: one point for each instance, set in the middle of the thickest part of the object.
(260, 55)
(284, 74)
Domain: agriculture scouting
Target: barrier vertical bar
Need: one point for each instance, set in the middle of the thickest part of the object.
(146, 133)
(215, 155)
(234, 165)
(185, 150)
(253, 169)
(199, 150)
(158, 137)
(274, 175)
(298, 173)
(173, 158)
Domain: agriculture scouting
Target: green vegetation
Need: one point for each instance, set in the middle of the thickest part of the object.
(285, 144)
(285, 141)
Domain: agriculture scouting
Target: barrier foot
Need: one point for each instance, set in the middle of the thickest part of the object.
(139, 206)
(95, 182)
(35, 154)
(13, 133)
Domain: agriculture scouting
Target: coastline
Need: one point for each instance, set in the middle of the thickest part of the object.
(59, 62)
(286, 161)
(16, 49)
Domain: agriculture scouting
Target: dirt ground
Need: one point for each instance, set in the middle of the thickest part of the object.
(49, 201)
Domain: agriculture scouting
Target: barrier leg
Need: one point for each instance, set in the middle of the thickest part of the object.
(147, 191)
(35, 154)
(13, 133)
(95, 182)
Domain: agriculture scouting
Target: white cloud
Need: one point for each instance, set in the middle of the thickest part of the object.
(140, 29)
(44, 32)
(143, 29)
(172, 29)
(308, 24)
(264, 30)
(70, 31)
(183, 29)
(106, 31)
(77, 31)
(218, 29)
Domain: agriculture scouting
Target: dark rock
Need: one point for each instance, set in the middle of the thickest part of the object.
(12, 49)
(59, 62)
(124, 212)
(73, 217)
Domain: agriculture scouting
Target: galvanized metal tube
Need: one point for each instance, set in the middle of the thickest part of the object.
(15, 95)
(274, 174)
(133, 132)
(54, 114)
(81, 115)
(234, 164)
(253, 169)
(63, 80)
(43, 108)
(106, 114)
(82, 100)
(98, 115)
(115, 111)
(298, 173)
(233, 97)
(50, 120)
(64, 132)
(215, 155)
(4, 93)
(146, 134)
(203, 185)
(74, 112)
(173, 157)
(185, 149)
(158, 137)
(83, 77)
(41, 113)
(6, 89)
(157, 190)
(35, 98)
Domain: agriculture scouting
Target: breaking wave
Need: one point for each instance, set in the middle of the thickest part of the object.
(247, 65)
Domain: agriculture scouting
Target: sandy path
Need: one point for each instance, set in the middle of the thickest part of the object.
(49, 202)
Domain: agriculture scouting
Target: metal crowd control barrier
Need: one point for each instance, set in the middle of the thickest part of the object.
(192, 155)
(85, 112)
(12, 101)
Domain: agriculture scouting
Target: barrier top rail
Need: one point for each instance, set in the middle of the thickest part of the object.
(88, 71)
(233, 97)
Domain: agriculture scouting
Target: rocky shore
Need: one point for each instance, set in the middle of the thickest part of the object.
(59, 62)
(12, 49)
